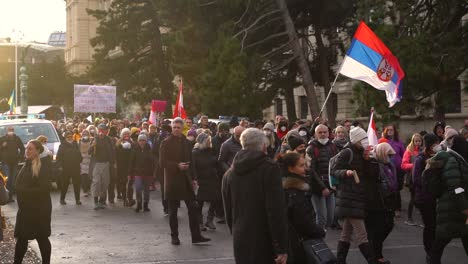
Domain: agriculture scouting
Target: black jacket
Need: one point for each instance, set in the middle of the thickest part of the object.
(122, 160)
(301, 216)
(351, 198)
(205, 170)
(141, 161)
(254, 208)
(228, 151)
(320, 156)
(104, 150)
(69, 157)
(12, 149)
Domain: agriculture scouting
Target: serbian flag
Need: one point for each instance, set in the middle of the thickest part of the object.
(372, 131)
(369, 60)
(179, 110)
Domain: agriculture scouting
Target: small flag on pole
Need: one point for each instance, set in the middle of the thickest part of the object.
(372, 130)
(90, 118)
(11, 102)
(369, 60)
(179, 110)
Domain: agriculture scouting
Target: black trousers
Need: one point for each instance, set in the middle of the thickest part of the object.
(112, 183)
(122, 180)
(76, 180)
(193, 214)
(85, 183)
(439, 245)
(379, 224)
(22, 246)
(428, 214)
(130, 183)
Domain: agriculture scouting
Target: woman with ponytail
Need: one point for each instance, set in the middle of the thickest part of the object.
(34, 203)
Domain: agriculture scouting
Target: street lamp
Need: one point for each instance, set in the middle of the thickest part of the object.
(18, 37)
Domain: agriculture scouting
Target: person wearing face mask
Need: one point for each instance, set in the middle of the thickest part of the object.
(230, 148)
(141, 170)
(69, 159)
(449, 134)
(351, 198)
(449, 186)
(319, 153)
(424, 201)
(391, 134)
(282, 129)
(341, 137)
(92, 131)
(304, 133)
(123, 150)
(273, 140)
(12, 151)
(84, 145)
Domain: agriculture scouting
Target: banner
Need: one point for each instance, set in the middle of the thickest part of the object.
(94, 99)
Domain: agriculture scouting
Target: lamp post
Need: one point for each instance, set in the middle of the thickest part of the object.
(17, 38)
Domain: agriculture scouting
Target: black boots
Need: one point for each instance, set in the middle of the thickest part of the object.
(145, 207)
(368, 254)
(342, 252)
(138, 208)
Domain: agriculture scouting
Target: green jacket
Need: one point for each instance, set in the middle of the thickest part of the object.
(453, 190)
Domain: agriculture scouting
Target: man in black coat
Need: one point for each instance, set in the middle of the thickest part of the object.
(12, 151)
(69, 158)
(230, 148)
(254, 204)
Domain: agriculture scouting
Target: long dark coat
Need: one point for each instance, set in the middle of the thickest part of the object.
(69, 157)
(205, 170)
(255, 209)
(177, 183)
(34, 203)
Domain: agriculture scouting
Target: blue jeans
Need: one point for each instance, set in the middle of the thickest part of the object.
(324, 209)
(142, 184)
(10, 170)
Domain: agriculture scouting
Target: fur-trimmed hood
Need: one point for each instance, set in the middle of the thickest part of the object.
(296, 182)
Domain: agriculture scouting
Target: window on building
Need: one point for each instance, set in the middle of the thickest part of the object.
(452, 97)
(304, 106)
(279, 106)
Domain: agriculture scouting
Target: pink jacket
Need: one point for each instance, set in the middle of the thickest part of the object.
(408, 159)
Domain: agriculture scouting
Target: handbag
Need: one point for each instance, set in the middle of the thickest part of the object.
(318, 252)
(4, 195)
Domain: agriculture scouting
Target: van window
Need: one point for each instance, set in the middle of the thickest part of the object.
(31, 131)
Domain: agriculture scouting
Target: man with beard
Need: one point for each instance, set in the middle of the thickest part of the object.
(12, 150)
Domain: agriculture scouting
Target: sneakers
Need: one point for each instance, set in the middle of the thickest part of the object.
(200, 239)
(210, 225)
(202, 228)
(410, 222)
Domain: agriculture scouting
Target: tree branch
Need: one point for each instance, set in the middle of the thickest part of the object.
(245, 12)
(266, 55)
(266, 39)
(256, 21)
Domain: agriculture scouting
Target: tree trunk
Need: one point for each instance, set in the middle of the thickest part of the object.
(301, 60)
(324, 67)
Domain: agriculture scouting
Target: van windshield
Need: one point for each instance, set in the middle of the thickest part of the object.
(31, 131)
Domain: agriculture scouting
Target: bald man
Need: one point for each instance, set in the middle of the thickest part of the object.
(230, 148)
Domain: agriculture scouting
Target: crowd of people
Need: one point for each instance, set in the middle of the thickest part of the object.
(276, 184)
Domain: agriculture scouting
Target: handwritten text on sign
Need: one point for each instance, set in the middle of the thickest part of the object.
(94, 99)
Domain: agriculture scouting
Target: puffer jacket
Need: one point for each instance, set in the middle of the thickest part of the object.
(421, 195)
(351, 197)
(141, 161)
(454, 196)
(320, 156)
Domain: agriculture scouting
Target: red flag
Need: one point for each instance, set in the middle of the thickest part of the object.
(179, 110)
(372, 130)
(157, 106)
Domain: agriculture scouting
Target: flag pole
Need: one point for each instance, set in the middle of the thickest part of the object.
(331, 89)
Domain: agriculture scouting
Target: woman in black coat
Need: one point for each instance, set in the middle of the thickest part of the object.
(69, 158)
(301, 215)
(205, 171)
(34, 204)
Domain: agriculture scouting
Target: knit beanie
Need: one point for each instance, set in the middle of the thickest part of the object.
(450, 132)
(295, 142)
(124, 131)
(142, 137)
(269, 126)
(357, 134)
(429, 140)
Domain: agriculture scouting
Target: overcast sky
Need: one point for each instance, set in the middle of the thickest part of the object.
(35, 18)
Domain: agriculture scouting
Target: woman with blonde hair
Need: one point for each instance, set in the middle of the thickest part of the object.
(34, 203)
(412, 151)
(341, 137)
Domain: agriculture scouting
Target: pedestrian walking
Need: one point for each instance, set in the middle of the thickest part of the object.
(412, 151)
(205, 168)
(301, 215)
(123, 150)
(449, 184)
(166, 131)
(254, 203)
(12, 151)
(34, 204)
(141, 169)
(69, 159)
(174, 158)
(102, 155)
(351, 165)
(424, 200)
(84, 145)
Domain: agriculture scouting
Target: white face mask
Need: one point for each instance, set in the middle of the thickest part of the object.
(10, 133)
(231, 131)
(436, 148)
(323, 141)
(365, 143)
(302, 133)
(126, 145)
(190, 138)
(70, 141)
(267, 133)
(283, 128)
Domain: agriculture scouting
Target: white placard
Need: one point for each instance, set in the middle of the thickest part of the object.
(94, 99)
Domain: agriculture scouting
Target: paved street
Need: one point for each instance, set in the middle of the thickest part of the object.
(119, 235)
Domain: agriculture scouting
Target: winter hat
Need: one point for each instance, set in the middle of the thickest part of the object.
(102, 126)
(295, 142)
(429, 140)
(357, 134)
(450, 132)
(382, 151)
(142, 137)
(269, 126)
(124, 131)
(134, 130)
